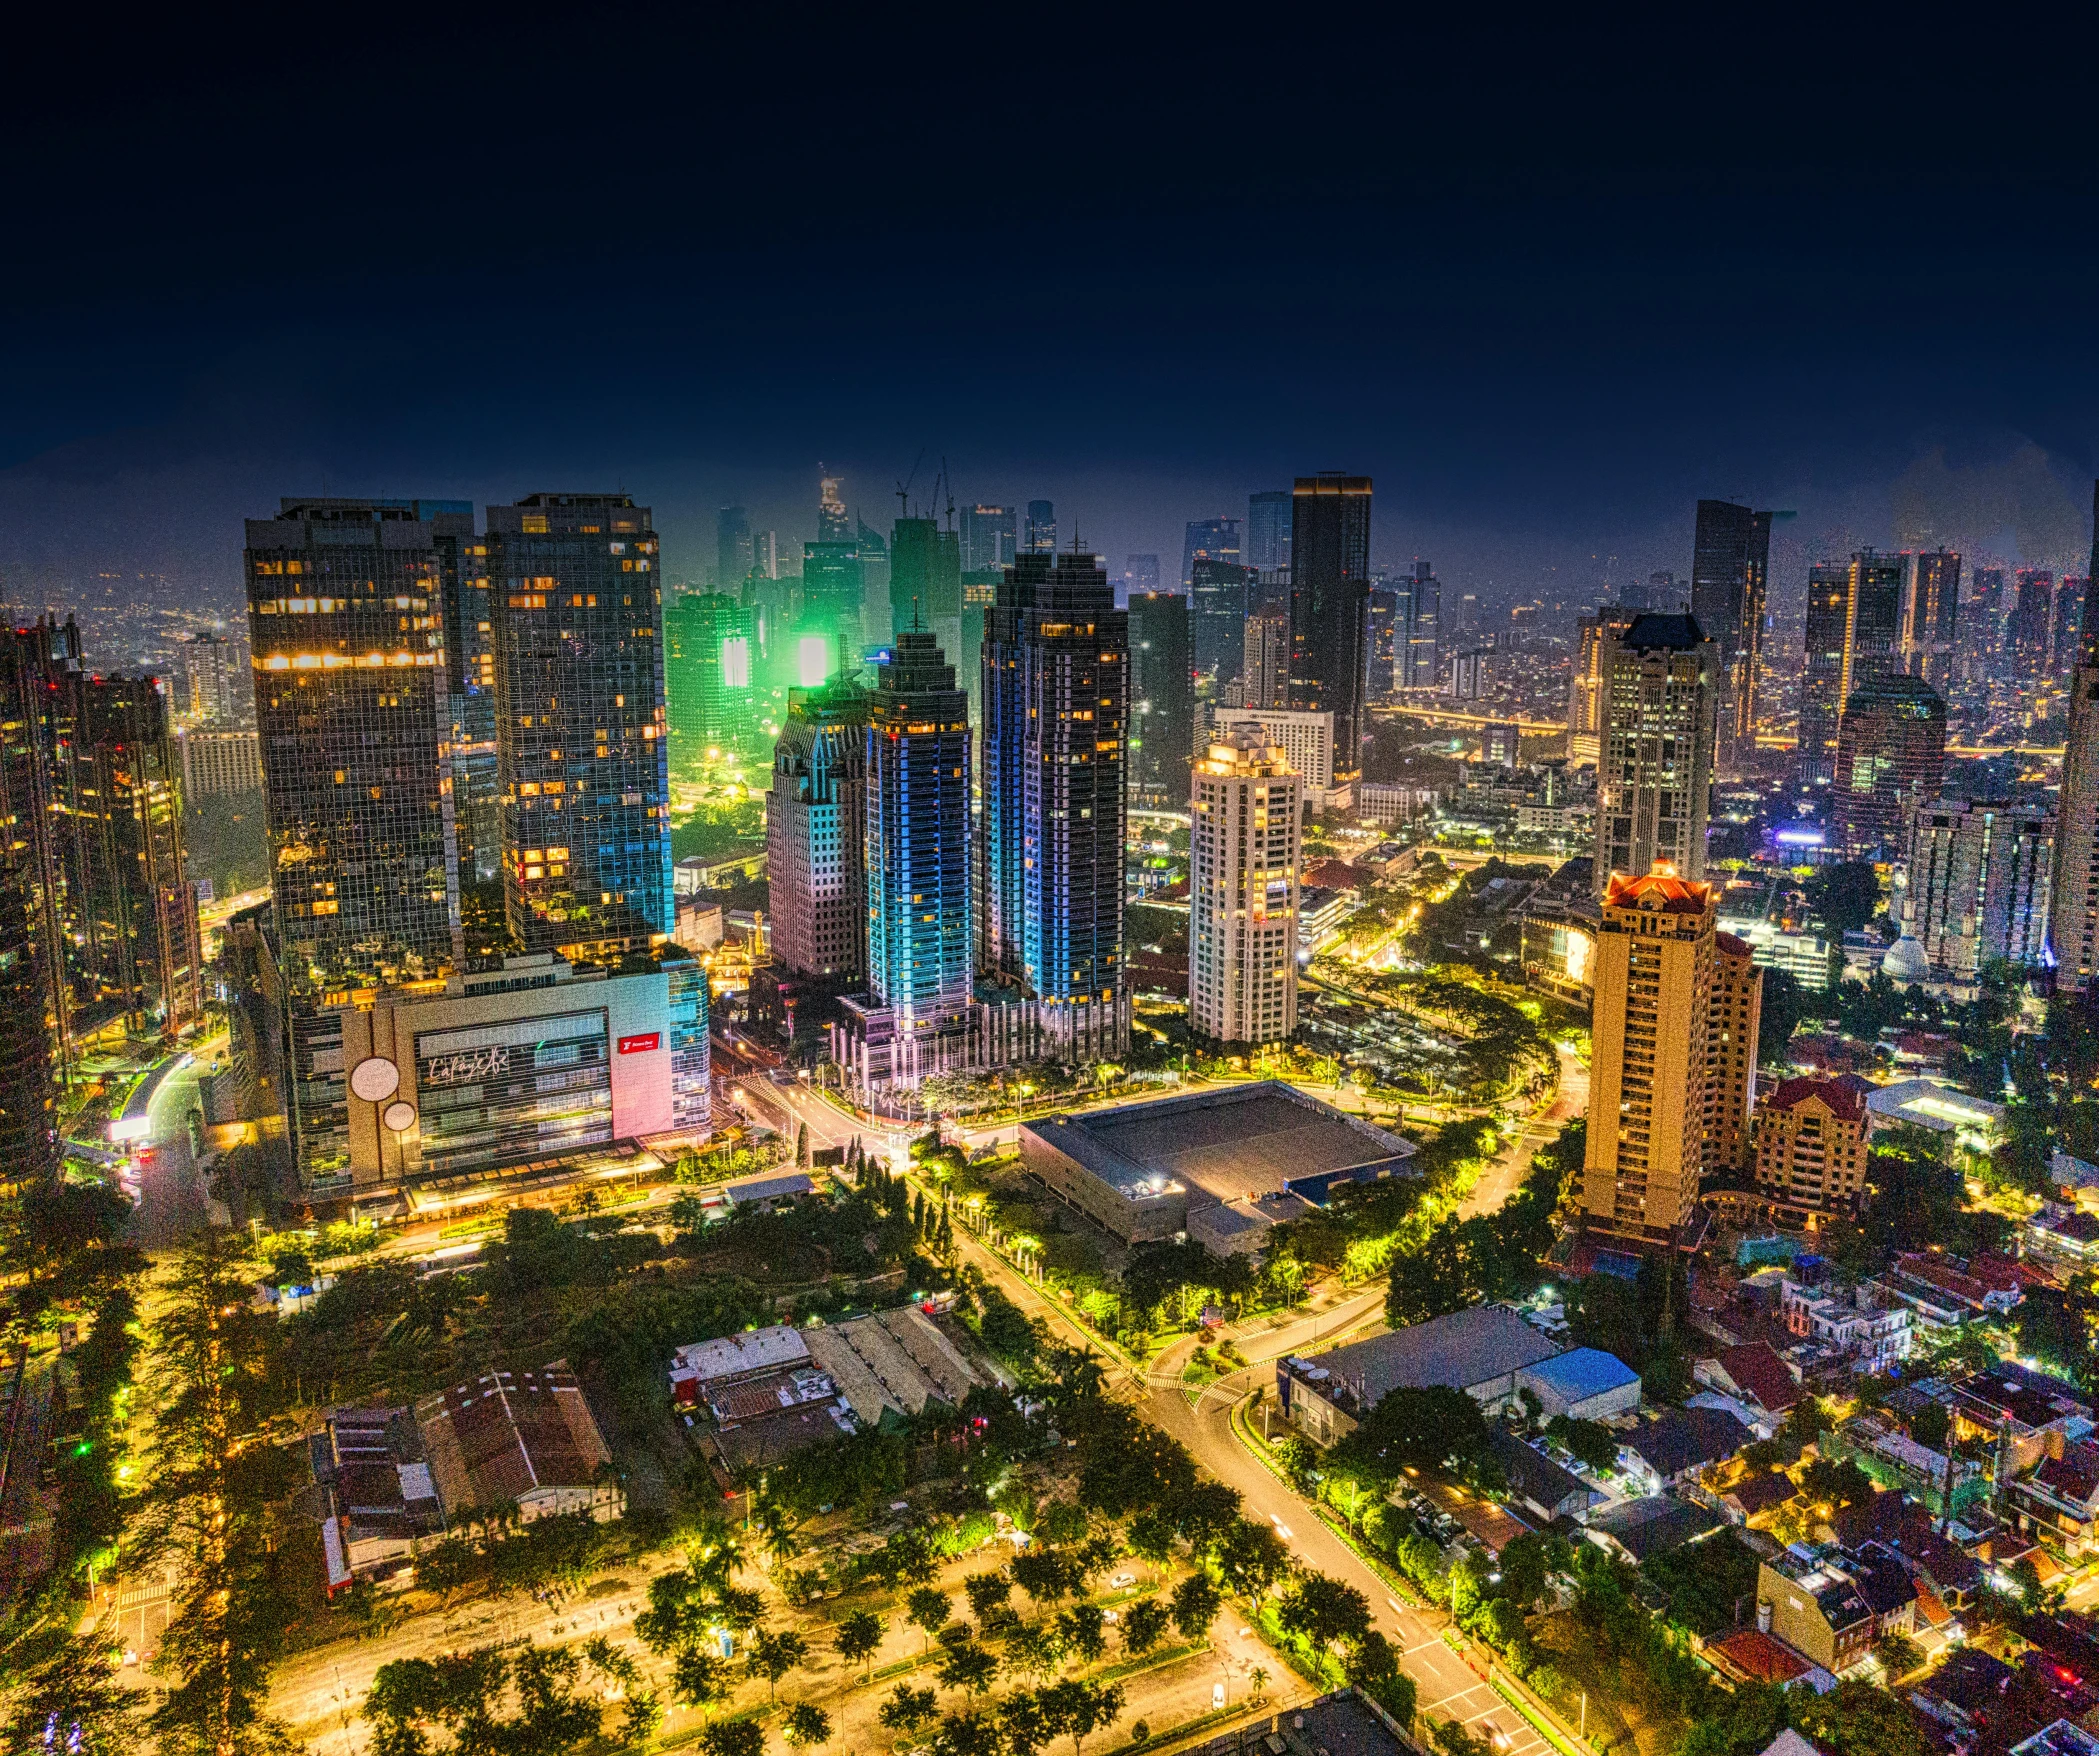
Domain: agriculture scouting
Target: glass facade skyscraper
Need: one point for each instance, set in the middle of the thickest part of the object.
(1268, 529)
(1056, 704)
(583, 755)
(1215, 539)
(1217, 610)
(1042, 527)
(988, 538)
(1329, 601)
(1730, 571)
(1162, 699)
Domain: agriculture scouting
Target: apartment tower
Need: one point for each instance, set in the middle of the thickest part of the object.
(1162, 699)
(1243, 891)
(1661, 697)
(815, 828)
(2074, 893)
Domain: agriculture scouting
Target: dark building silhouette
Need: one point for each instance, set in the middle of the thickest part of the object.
(1217, 615)
(1162, 699)
(1329, 604)
(30, 927)
(1891, 756)
(1854, 631)
(1730, 569)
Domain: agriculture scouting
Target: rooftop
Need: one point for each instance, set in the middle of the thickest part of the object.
(1582, 1372)
(1842, 1098)
(728, 1356)
(1756, 1370)
(1687, 1438)
(1652, 1525)
(1459, 1351)
(1930, 1104)
(2032, 1399)
(1758, 1657)
(1230, 1142)
(1661, 890)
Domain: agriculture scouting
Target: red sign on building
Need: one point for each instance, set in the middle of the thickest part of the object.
(640, 1045)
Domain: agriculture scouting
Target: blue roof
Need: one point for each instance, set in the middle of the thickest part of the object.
(1583, 1372)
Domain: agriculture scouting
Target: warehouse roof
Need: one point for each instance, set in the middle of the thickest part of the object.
(1582, 1372)
(1230, 1142)
(730, 1356)
(1459, 1351)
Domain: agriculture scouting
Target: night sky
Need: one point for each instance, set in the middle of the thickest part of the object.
(1547, 289)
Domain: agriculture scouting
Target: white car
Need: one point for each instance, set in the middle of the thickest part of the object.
(1123, 1579)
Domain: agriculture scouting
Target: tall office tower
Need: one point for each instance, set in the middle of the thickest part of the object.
(1654, 779)
(1056, 704)
(1649, 1028)
(2026, 628)
(815, 823)
(920, 967)
(834, 524)
(1854, 631)
(344, 615)
(2073, 891)
(1469, 675)
(1931, 591)
(130, 914)
(1215, 539)
(2069, 624)
(708, 653)
(1266, 676)
(31, 952)
(470, 682)
(1162, 699)
(1382, 650)
(1977, 884)
(1217, 611)
(1732, 1022)
(1588, 689)
(1306, 741)
(1730, 568)
(1268, 530)
(1329, 607)
(1891, 758)
(1268, 589)
(1242, 895)
(1139, 573)
(733, 549)
(1662, 592)
(582, 752)
(212, 686)
(874, 590)
(925, 581)
(1982, 628)
(987, 538)
(1042, 527)
(765, 554)
(827, 632)
(1421, 656)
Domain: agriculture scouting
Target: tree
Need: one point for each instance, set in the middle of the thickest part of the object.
(805, 1725)
(1589, 1442)
(968, 1734)
(1898, 1654)
(1857, 1719)
(929, 1611)
(1032, 1649)
(906, 1708)
(987, 1594)
(1144, 1626)
(1783, 1006)
(1044, 1575)
(1845, 896)
(1196, 1602)
(1323, 1611)
(70, 1699)
(699, 1677)
(771, 1654)
(1428, 1428)
(1081, 1709)
(733, 1737)
(968, 1667)
(1080, 1632)
(858, 1636)
(1258, 1677)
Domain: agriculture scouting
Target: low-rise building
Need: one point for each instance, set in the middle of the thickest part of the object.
(1478, 1351)
(2068, 1237)
(379, 1497)
(1754, 1375)
(2027, 1413)
(1550, 1491)
(523, 1439)
(1584, 1384)
(1974, 1122)
(1944, 1295)
(2057, 1501)
(1651, 1525)
(1679, 1443)
(701, 1367)
(1871, 1330)
(1816, 1610)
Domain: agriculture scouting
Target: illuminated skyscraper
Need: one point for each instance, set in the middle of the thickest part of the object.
(1588, 690)
(1329, 607)
(2073, 906)
(875, 629)
(344, 617)
(1139, 573)
(733, 552)
(1217, 610)
(1854, 631)
(1655, 777)
(1891, 758)
(987, 538)
(827, 632)
(212, 685)
(925, 581)
(1418, 641)
(1268, 529)
(1732, 1022)
(920, 1013)
(1381, 655)
(1931, 589)
(470, 681)
(1214, 538)
(1243, 859)
(2070, 598)
(1042, 527)
(2026, 633)
(582, 753)
(1162, 699)
(1265, 680)
(1056, 705)
(815, 828)
(1976, 888)
(834, 524)
(1650, 1026)
(30, 949)
(1730, 566)
(708, 675)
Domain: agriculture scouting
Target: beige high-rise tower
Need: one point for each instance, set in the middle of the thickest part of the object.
(1661, 693)
(1242, 894)
(1650, 1029)
(1730, 1053)
(2073, 901)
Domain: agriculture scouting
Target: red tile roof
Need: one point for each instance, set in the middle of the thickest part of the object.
(1758, 1657)
(1844, 1099)
(1756, 1367)
(1661, 889)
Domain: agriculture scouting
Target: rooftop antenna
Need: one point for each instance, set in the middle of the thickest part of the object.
(948, 487)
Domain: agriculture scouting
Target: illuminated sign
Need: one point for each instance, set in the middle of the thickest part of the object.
(812, 659)
(1800, 835)
(466, 1067)
(641, 1045)
(736, 662)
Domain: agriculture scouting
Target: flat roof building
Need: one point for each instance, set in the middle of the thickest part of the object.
(1585, 1384)
(1479, 1351)
(1143, 1170)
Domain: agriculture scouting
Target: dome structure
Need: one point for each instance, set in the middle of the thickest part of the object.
(1906, 962)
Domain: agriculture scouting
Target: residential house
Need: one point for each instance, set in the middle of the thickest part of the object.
(2029, 1413)
(1944, 1295)
(1870, 1330)
(1754, 1375)
(2071, 1237)
(379, 1500)
(1752, 1494)
(523, 1439)
(1651, 1525)
(2057, 1501)
(1584, 1384)
(1535, 1481)
(1678, 1444)
(1968, 1693)
(1815, 1610)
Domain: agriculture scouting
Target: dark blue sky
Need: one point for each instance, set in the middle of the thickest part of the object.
(1545, 287)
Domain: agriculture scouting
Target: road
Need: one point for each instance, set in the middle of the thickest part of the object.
(1505, 1175)
(172, 1200)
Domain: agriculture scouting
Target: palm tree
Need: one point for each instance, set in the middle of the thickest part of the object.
(1258, 1677)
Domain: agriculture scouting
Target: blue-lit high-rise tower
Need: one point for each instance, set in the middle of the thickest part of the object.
(1056, 699)
(917, 1017)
